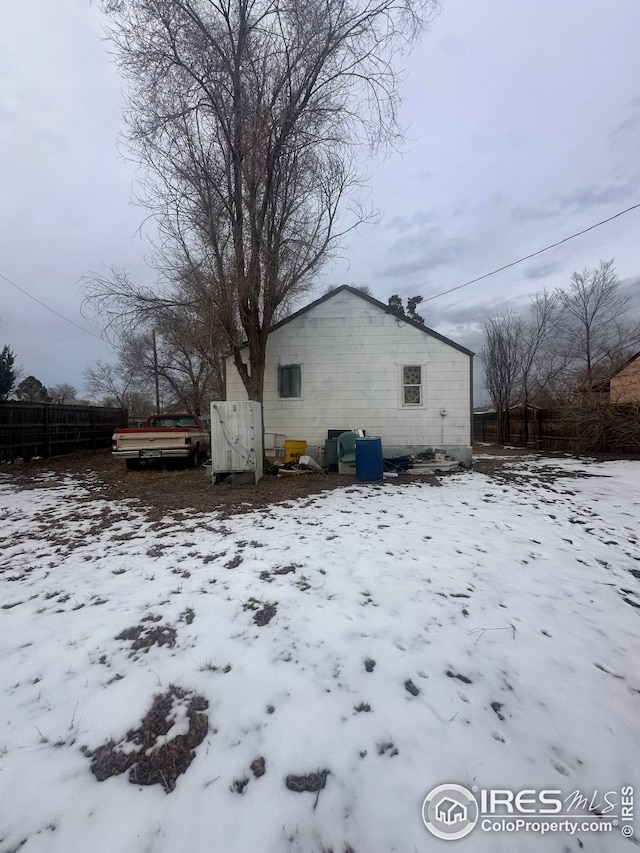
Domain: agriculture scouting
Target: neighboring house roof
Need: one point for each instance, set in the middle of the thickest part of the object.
(604, 385)
(386, 308)
(626, 364)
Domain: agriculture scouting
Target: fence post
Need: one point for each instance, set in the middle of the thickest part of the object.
(45, 431)
(540, 429)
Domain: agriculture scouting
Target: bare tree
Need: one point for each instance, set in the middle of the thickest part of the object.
(597, 336)
(502, 359)
(63, 393)
(190, 363)
(545, 366)
(191, 345)
(190, 369)
(250, 117)
(112, 383)
(570, 339)
(363, 288)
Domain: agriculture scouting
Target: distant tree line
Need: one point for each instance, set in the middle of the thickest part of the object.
(566, 342)
(173, 359)
(29, 390)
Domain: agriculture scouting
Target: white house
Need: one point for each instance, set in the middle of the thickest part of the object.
(347, 361)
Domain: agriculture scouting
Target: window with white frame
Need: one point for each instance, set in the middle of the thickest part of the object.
(289, 380)
(412, 385)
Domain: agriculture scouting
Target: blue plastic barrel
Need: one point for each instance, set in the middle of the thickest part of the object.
(369, 467)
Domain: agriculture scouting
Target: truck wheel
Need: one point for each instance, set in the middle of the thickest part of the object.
(132, 464)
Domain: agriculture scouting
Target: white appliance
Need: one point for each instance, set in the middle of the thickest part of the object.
(236, 437)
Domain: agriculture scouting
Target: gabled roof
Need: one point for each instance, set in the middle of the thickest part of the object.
(604, 385)
(386, 308)
(626, 364)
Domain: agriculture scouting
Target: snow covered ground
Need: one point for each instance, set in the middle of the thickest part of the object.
(484, 633)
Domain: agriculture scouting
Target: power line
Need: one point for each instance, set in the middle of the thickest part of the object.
(52, 310)
(427, 299)
(532, 255)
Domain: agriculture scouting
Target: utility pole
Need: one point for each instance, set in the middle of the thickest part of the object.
(155, 370)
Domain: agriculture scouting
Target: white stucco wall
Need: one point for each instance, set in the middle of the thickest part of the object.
(352, 354)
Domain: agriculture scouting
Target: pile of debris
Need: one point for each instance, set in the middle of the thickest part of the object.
(426, 462)
(304, 465)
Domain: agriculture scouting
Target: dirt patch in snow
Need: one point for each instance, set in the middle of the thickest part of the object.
(264, 611)
(175, 490)
(142, 637)
(159, 491)
(162, 747)
(312, 782)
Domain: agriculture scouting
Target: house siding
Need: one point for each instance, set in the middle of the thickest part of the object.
(352, 353)
(625, 384)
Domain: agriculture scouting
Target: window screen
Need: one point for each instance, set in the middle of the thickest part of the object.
(412, 385)
(289, 380)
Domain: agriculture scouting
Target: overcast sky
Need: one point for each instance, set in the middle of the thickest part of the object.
(523, 121)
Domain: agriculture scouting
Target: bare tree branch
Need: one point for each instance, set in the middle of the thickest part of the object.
(595, 328)
(502, 359)
(250, 118)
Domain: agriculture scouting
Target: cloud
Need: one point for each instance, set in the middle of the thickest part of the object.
(418, 244)
(632, 284)
(452, 45)
(470, 315)
(461, 316)
(543, 270)
(590, 196)
(417, 219)
(630, 287)
(535, 212)
(629, 125)
(619, 192)
(422, 253)
(460, 207)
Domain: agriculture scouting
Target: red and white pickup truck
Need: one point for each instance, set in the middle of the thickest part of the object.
(174, 436)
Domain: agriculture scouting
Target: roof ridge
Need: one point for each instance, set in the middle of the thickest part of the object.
(376, 302)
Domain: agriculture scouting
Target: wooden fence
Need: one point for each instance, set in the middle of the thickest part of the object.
(48, 429)
(542, 429)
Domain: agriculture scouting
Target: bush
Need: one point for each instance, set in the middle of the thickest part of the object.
(602, 427)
